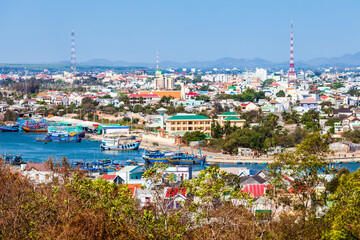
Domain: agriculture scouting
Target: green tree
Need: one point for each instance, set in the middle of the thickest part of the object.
(227, 128)
(216, 130)
(295, 175)
(343, 217)
(194, 136)
(280, 93)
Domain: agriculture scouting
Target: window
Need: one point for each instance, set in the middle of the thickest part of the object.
(173, 129)
(190, 128)
(201, 122)
(190, 122)
(184, 128)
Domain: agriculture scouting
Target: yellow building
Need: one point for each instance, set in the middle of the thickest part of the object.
(232, 117)
(181, 123)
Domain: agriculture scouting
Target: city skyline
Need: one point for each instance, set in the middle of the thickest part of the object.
(39, 32)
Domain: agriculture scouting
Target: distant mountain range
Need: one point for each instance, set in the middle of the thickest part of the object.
(347, 60)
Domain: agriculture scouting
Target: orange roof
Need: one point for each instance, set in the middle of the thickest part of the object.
(174, 94)
(133, 185)
(289, 89)
(42, 94)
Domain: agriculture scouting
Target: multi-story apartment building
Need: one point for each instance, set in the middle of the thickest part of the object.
(188, 123)
(163, 82)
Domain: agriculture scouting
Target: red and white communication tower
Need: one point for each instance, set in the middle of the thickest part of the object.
(292, 75)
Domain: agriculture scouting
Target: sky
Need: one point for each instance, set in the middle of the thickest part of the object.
(38, 31)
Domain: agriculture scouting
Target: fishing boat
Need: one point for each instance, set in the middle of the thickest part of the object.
(32, 126)
(187, 159)
(12, 159)
(45, 139)
(176, 158)
(9, 128)
(75, 139)
(57, 132)
(157, 156)
(120, 144)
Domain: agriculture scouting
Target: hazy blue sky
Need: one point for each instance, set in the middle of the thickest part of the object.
(131, 30)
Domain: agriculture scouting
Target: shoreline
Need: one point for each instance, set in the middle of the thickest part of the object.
(167, 144)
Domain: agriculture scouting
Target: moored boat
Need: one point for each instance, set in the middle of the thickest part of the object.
(157, 156)
(9, 128)
(187, 159)
(45, 140)
(120, 144)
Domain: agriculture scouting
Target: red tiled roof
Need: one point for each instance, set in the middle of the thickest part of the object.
(109, 177)
(144, 95)
(257, 190)
(42, 167)
(193, 94)
(171, 192)
(308, 100)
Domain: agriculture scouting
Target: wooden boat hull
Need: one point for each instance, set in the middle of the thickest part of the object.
(124, 147)
(25, 129)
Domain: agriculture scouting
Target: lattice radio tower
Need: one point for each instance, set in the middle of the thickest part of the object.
(157, 59)
(292, 75)
(73, 56)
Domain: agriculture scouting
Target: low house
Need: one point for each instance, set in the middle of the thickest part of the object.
(181, 173)
(255, 190)
(39, 172)
(309, 103)
(250, 180)
(341, 112)
(113, 179)
(144, 99)
(144, 196)
(131, 174)
(174, 197)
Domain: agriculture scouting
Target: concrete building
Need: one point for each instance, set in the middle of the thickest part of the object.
(163, 82)
(188, 123)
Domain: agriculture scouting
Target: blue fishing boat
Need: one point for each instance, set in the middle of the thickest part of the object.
(176, 158)
(69, 139)
(157, 156)
(12, 159)
(9, 128)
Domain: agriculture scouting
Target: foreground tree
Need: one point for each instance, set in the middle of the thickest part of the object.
(295, 176)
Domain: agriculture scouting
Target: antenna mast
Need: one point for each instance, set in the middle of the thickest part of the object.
(73, 56)
(292, 75)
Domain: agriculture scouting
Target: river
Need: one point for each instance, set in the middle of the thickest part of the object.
(32, 151)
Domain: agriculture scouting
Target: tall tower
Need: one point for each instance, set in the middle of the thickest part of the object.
(292, 75)
(73, 56)
(157, 59)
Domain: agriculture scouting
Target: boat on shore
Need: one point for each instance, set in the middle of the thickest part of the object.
(120, 143)
(15, 160)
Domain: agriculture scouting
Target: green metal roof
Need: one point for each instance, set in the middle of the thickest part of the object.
(233, 119)
(128, 169)
(228, 113)
(188, 117)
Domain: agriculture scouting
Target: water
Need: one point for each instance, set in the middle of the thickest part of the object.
(32, 151)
